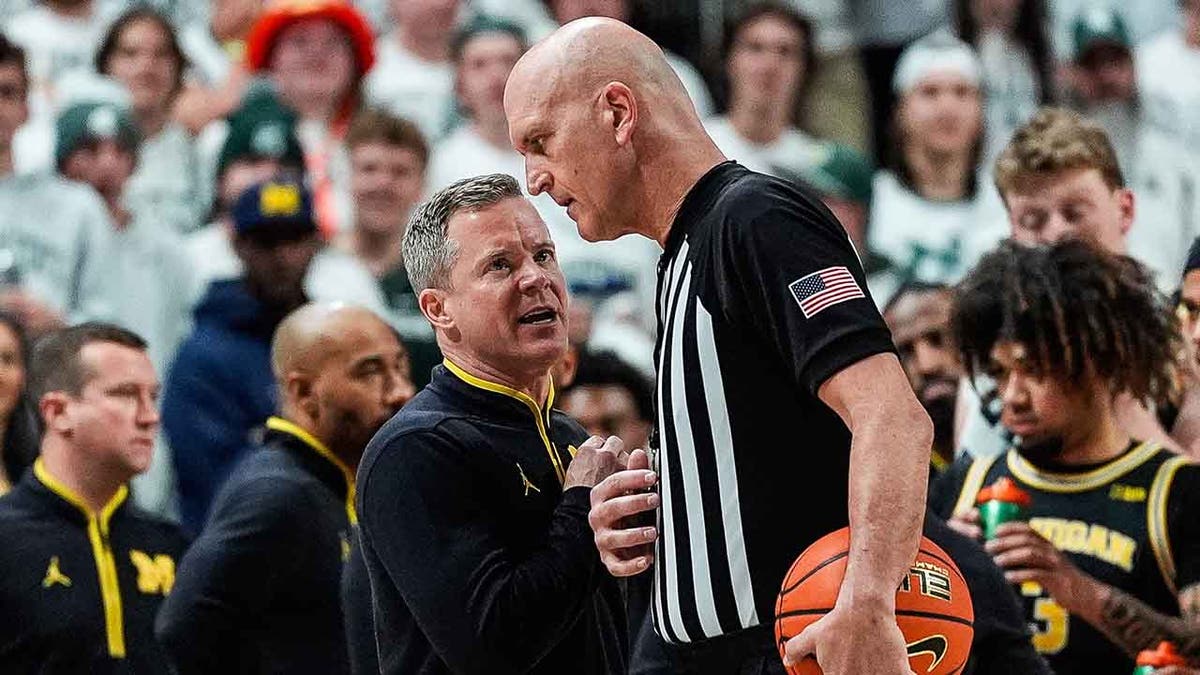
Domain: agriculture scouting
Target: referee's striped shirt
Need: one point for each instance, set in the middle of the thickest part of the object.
(761, 298)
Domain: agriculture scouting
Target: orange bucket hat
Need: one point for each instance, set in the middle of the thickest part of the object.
(279, 15)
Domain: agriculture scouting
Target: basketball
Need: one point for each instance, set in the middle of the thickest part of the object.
(933, 605)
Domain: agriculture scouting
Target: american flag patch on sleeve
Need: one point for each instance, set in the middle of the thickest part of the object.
(823, 289)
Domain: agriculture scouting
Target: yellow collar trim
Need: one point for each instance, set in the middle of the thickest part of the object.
(1059, 482)
(58, 488)
(284, 426)
(501, 388)
(540, 413)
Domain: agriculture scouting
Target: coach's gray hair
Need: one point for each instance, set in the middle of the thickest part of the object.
(428, 252)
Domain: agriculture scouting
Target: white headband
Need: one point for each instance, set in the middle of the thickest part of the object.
(937, 53)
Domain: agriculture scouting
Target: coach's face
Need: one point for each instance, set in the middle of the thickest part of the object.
(506, 304)
(578, 148)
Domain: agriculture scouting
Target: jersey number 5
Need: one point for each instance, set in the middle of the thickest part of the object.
(1050, 621)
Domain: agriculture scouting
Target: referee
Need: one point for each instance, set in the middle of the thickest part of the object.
(782, 411)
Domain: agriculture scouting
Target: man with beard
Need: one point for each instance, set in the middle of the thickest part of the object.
(919, 318)
(1108, 563)
(260, 589)
(1102, 80)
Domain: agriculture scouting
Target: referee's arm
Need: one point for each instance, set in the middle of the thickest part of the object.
(840, 349)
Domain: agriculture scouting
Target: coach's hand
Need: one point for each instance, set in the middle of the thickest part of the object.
(626, 548)
(851, 641)
(596, 459)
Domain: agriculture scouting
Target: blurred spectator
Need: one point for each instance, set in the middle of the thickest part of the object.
(1168, 179)
(1102, 81)
(1186, 427)
(86, 571)
(919, 317)
(341, 373)
(147, 269)
(59, 37)
(1015, 55)
(414, 78)
(18, 427)
(261, 144)
(142, 53)
(836, 103)
(566, 11)
(885, 28)
(54, 234)
(610, 398)
(220, 386)
(315, 54)
(484, 53)
(932, 215)
(768, 51)
(388, 158)
(1144, 18)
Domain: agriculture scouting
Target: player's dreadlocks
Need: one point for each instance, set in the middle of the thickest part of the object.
(1077, 310)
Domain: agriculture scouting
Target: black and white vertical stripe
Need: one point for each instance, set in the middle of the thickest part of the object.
(702, 585)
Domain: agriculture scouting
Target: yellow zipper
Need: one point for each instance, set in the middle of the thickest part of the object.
(106, 565)
(538, 416)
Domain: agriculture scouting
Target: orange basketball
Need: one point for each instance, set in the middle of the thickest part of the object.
(933, 605)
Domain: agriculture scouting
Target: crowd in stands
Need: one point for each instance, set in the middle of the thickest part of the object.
(195, 171)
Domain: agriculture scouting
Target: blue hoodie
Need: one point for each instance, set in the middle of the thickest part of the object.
(219, 389)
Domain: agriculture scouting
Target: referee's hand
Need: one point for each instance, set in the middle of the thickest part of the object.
(626, 548)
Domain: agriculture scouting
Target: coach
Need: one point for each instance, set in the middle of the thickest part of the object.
(473, 500)
(777, 377)
(259, 591)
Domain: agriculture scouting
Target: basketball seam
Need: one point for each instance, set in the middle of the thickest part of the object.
(827, 562)
(899, 613)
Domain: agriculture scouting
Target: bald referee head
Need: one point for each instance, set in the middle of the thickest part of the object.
(606, 128)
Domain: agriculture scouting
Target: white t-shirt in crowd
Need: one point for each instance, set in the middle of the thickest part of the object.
(1166, 178)
(1010, 88)
(167, 186)
(693, 82)
(793, 151)
(833, 21)
(55, 240)
(410, 87)
(933, 241)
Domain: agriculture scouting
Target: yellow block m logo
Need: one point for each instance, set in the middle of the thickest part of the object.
(279, 200)
(155, 574)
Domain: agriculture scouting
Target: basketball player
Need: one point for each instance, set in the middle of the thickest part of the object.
(775, 372)
(1108, 563)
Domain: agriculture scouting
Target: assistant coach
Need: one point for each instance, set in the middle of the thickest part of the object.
(473, 500)
(777, 377)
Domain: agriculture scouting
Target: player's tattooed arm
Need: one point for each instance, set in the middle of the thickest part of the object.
(1134, 626)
